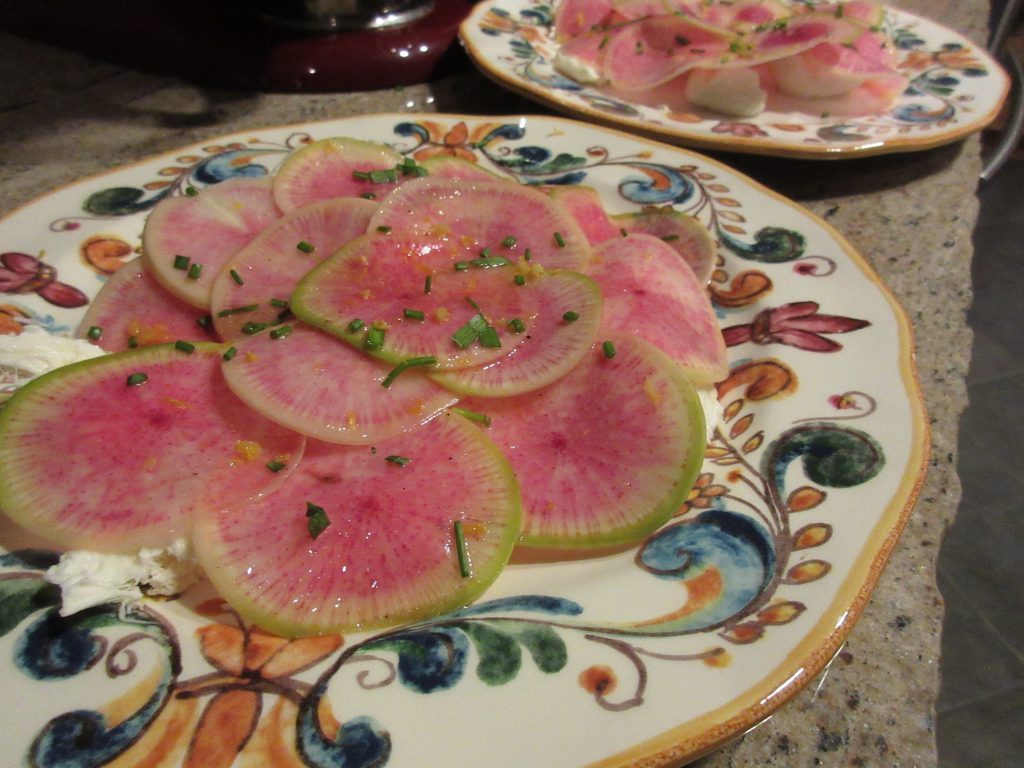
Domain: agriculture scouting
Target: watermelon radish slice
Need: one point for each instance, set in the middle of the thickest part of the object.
(684, 233)
(389, 552)
(253, 288)
(608, 454)
(377, 279)
(549, 349)
(474, 215)
(452, 167)
(309, 381)
(134, 309)
(186, 240)
(116, 453)
(648, 291)
(680, 231)
(335, 167)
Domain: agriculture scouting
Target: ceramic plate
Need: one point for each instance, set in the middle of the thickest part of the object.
(653, 655)
(955, 89)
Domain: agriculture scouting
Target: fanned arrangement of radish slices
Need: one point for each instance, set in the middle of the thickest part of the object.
(358, 385)
(735, 58)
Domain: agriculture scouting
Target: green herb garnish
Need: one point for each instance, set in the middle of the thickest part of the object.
(460, 550)
(412, 362)
(185, 346)
(316, 519)
(136, 378)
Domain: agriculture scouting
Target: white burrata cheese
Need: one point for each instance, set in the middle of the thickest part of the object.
(730, 91)
(708, 397)
(35, 351)
(577, 69)
(89, 578)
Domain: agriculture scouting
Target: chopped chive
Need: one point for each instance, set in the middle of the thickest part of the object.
(251, 328)
(133, 342)
(95, 333)
(276, 465)
(383, 175)
(461, 266)
(426, 283)
(559, 240)
(316, 519)
(236, 277)
(412, 362)
(473, 304)
(355, 325)
(361, 175)
(205, 321)
(185, 346)
(413, 314)
(624, 232)
(384, 228)
(527, 254)
(279, 303)
(399, 460)
(368, 196)
(181, 262)
(669, 238)
(570, 316)
(460, 550)
(229, 353)
(516, 325)
(482, 418)
(237, 310)
(281, 332)
(305, 247)
(136, 378)
(195, 271)
(519, 279)
(465, 336)
(609, 349)
(374, 338)
(508, 242)
(191, 191)
(284, 314)
(478, 321)
(489, 261)
(489, 337)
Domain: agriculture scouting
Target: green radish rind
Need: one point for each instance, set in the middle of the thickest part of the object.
(389, 555)
(608, 454)
(328, 168)
(551, 346)
(92, 461)
(311, 382)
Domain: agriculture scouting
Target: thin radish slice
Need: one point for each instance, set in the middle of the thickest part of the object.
(336, 167)
(451, 167)
(389, 553)
(608, 454)
(376, 281)
(478, 215)
(649, 292)
(680, 231)
(116, 453)
(552, 345)
(134, 310)
(253, 288)
(311, 382)
(186, 240)
(584, 204)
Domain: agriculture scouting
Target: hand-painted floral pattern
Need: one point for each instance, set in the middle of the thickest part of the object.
(730, 568)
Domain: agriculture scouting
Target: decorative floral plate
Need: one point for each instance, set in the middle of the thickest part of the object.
(652, 655)
(955, 89)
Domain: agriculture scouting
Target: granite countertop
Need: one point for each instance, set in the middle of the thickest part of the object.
(64, 117)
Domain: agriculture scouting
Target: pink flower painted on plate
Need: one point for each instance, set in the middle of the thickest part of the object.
(743, 130)
(796, 325)
(21, 273)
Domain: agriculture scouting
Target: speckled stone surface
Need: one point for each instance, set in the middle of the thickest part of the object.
(63, 117)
